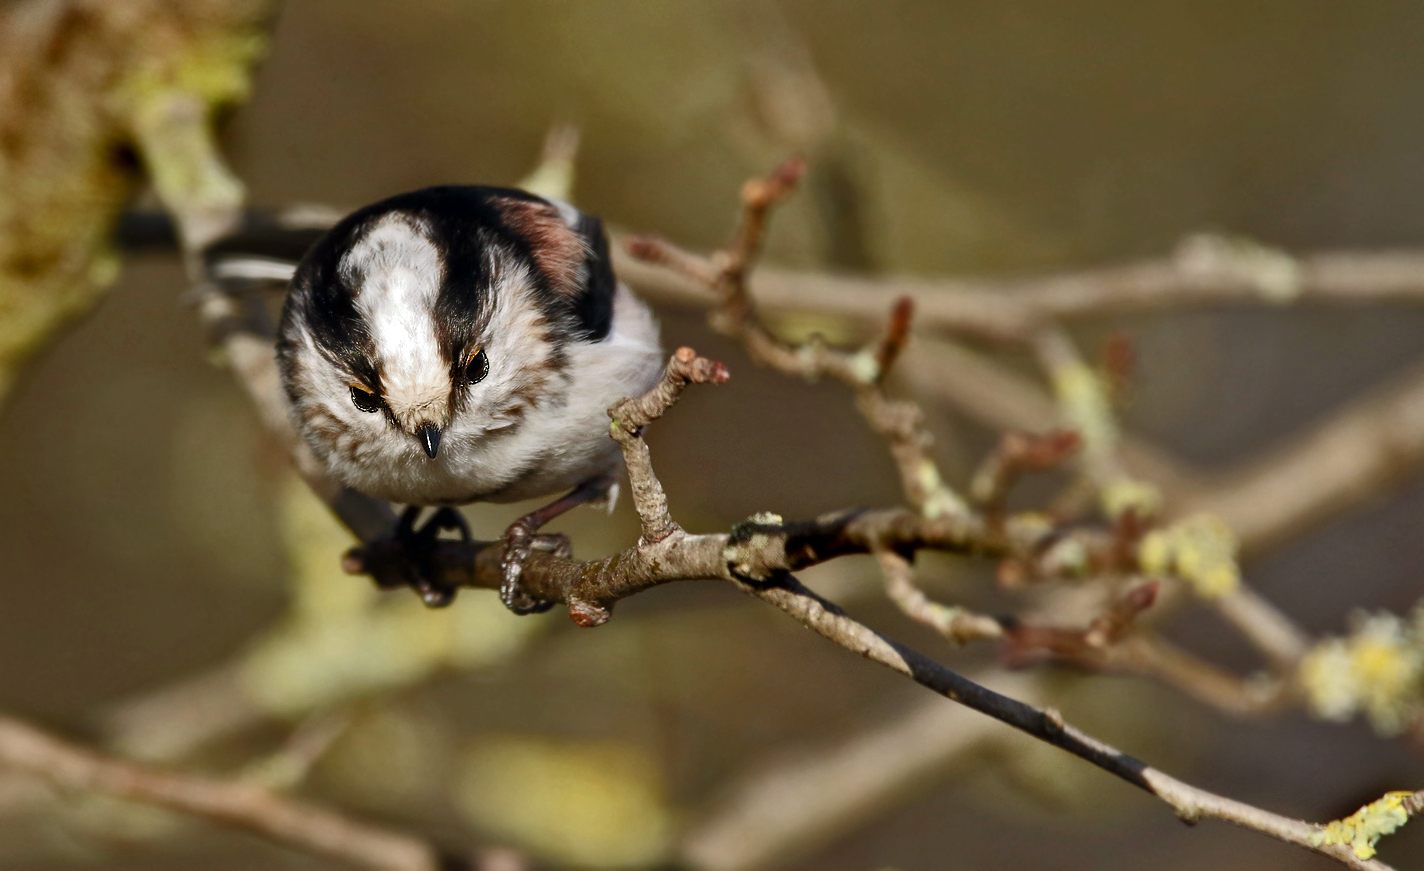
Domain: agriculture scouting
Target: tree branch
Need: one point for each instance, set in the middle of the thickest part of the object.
(278, 818)
(788, 807)
(1205, 271)
(80, 79)
(759, 555)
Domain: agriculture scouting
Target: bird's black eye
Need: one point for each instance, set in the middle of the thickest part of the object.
(477, 368)
(364, 399)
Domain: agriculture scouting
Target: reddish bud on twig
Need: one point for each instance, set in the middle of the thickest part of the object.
(587, 614)
(1041, 453)
(1140, 598)
(642, 247)
(897, 332)
(759, 193)
(699, 370)
(790, 172)
(1018, 453)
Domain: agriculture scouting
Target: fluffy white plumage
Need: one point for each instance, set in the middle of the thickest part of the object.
(463, 344)
(530, 428)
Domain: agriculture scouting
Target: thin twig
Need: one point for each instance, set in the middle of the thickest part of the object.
(1012, 309)
(265, 812)
(957, 624)
(788, 807)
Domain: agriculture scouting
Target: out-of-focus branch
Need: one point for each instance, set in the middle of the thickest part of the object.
(80, 82)
(1085, 405)
(1369, 446)
(1205, 271)
(778, 811)
(1362, 450)
(1145, 654)
(726, 276)
(1004, 401)
(276, 817)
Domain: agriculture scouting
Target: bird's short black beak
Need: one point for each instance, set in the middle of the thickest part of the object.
(429, 435)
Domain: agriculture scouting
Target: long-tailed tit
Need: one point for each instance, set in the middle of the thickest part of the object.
(463, 344)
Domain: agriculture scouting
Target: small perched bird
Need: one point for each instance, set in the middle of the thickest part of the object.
(463, 344)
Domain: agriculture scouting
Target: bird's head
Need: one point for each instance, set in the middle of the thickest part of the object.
(422, 326)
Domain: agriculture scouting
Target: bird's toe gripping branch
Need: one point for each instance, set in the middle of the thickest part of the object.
(407, 556)
(533, 571)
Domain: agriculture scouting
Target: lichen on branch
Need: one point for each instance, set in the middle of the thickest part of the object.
(85, 84)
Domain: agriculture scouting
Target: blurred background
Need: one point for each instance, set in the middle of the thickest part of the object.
(160, 562)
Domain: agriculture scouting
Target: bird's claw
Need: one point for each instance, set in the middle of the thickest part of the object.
(518, 544)
(419, 547)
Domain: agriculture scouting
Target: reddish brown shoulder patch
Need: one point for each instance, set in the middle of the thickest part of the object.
(558, 251)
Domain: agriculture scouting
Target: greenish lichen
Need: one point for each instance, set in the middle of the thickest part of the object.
(134, 69)
(1376, 670)
(1200, 550)
(938, 499)
(342, 639)
(1362, 830)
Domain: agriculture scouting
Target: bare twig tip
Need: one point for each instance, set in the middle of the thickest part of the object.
(759, 193)
(698, 370)
(897, 332)
(1141, 598)
(790, 172)
(903, 311)
(641, 247)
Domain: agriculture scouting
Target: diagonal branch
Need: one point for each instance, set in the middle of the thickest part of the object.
(758, 556)
(265, 812)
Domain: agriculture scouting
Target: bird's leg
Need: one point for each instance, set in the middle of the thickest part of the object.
(519, 540)
(419, 545)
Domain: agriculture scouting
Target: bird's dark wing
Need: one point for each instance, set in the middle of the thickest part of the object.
(594, 305)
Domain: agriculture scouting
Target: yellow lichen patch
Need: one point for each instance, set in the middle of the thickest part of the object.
(811, 330)
(1030, 524)
(343, 639)
(590, 803)
(1377, 670)
(1200, 550)
(1084, 403)
(1129, 494)
(866, 366)
(939, 500)
(1361, 830)
(1275, 273)
(60, 186)
(215, 68)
